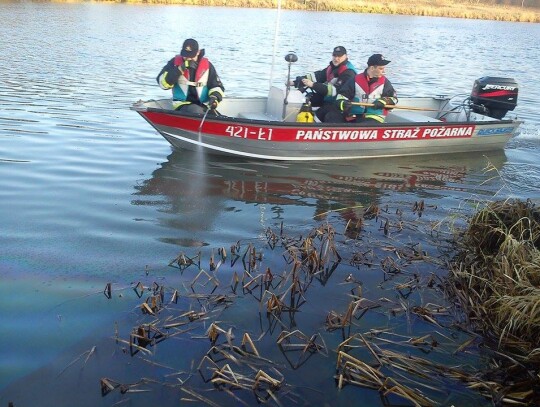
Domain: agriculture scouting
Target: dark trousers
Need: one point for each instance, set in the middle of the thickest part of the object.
(195, 109)
(191, 108)
(316, 99)
(330, 113)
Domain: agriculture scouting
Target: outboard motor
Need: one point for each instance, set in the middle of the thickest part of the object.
(494, 97)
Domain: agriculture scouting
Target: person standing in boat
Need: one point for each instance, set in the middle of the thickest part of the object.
(326, 83)
(195, 84)
(369, 87)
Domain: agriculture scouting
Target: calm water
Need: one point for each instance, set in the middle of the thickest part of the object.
(90, 194)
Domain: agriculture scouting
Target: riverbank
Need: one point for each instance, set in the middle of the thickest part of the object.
(453, 8)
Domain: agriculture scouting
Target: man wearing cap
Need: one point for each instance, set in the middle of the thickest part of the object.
(193, 79)
(372, 87)
(327, 82)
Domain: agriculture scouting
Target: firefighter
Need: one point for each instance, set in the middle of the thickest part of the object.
(371, 88)
(195, 84)
(326, 83)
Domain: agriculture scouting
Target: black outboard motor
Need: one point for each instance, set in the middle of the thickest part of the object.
(494, 97)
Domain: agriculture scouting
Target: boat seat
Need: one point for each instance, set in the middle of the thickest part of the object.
(400, 116)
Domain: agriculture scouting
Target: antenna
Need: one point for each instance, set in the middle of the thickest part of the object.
(276, 32)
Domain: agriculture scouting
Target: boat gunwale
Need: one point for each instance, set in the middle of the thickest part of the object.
(276, 123)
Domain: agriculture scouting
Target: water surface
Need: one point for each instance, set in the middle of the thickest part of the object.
(90, 194)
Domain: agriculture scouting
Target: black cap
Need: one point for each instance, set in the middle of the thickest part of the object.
(377, 60)
(339, 51)
(190, 48)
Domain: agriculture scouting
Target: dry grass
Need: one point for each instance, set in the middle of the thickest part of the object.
(496, 277)
(484, 10)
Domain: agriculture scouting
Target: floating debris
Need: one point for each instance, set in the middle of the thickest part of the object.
(182, 261)
(278, 279)
(144, 336)
(88, 354)
(296, 341)
(108, 291)
(109, 385)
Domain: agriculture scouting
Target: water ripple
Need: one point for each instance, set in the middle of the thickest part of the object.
(89, 191)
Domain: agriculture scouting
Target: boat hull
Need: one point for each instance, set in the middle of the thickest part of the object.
(277, 140)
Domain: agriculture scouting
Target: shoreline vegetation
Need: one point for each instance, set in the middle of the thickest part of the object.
(497, 10)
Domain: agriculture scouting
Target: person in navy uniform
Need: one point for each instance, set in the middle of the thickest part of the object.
(371, 87)
(326, 83)
(195, 84)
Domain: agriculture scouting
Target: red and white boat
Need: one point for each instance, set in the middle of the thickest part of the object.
(266, 127)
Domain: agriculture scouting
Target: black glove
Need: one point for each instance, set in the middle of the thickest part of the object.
(212, 102)
(379, 104)
(189, 64)
(299, 85)
(345, 106)
(298, 82)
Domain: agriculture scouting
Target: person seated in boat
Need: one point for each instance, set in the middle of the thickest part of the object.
(326, 83)
(370, 88)
(195, 84)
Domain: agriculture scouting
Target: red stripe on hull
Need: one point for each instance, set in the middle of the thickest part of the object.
(302, 134)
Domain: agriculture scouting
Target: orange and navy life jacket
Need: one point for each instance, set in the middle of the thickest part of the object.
(180, 89)
(342, 68)
(332, 77)
(368, 92)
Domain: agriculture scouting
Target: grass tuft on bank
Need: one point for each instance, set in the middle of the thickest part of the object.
(496, 276)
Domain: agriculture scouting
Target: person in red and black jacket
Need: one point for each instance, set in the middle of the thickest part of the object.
(195, 84)
(327, 82)
(371, 87)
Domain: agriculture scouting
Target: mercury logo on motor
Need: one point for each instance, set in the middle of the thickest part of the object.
(499, 87)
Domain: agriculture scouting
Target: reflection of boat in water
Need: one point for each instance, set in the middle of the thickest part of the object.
(201, 187)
